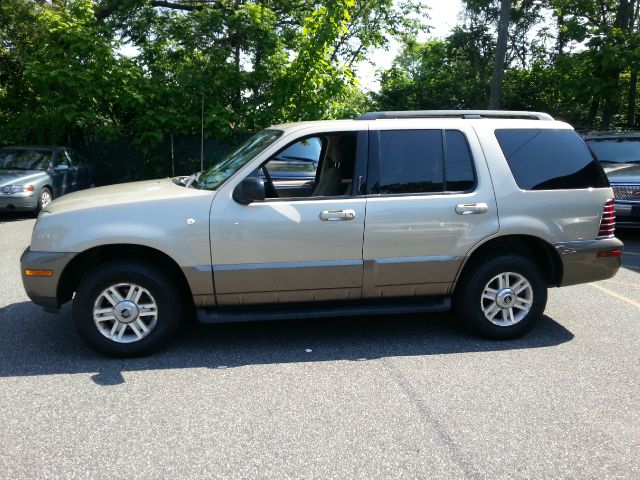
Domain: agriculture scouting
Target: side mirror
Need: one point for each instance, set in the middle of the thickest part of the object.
(249, 190)
(61, 168)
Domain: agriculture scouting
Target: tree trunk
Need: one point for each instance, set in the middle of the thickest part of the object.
(593, 111)
(607, 117)
(633, 95)
(561, 41)
(623, 20)
(495, 94)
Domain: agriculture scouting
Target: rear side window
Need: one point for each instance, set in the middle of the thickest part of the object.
(550, 160)
(411, 161)
(458, 164)
(424, 161)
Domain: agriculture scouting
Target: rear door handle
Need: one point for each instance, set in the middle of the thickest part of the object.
(471, 208)
(337, 215)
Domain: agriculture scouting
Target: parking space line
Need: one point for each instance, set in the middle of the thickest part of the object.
(631, 253)
(626, 284)
(616, 295)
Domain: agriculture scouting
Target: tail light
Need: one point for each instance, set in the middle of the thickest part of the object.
(608, 221)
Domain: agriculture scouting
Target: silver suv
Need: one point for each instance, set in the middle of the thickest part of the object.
(479, 211)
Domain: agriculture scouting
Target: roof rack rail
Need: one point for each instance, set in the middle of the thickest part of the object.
(456, 114)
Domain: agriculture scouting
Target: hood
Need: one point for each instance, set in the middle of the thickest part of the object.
(12, 177)
(625, 173)
(124, 194)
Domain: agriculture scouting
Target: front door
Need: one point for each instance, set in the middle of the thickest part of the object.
(294, 249)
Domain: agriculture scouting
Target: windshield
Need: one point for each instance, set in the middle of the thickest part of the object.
(215, 176)
(616, 150)
(24, 159)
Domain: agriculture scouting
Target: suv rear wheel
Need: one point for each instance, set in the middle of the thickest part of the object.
(126, 308)
(501, 297)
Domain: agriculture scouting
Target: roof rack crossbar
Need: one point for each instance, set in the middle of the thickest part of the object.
(456, 114)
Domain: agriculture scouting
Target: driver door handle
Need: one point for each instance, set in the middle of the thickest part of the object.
(337, 215)
(471, 208)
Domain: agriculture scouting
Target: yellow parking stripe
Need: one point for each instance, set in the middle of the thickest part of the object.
(626, 284)
(616, 295)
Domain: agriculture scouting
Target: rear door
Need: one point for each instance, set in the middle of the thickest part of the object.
(430, 200)
(82, 175)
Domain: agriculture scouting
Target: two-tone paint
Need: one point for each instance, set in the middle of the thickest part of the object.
(358, 246)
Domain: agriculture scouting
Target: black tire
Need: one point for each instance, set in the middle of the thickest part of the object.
(43, 192)
(158, 284)
(468, 300)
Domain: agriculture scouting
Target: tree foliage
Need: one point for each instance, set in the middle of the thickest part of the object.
(241, 65)
(575, 59)
(233, 65)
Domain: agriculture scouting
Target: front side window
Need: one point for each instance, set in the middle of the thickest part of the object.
(214, 177)
(321, 165)
(424, 161)
(298, 161)
(550, 159)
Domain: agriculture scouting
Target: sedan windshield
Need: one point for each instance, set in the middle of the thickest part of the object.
(24, 159)
(616, 150)
(215, 176)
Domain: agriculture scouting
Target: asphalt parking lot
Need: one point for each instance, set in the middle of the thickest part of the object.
(393, 397)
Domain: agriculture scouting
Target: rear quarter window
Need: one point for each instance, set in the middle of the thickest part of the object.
(542, 159)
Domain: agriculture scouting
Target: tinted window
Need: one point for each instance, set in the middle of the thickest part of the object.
(75, 157)
(459, 165)
(550, 159)
(616, 150)
(411, 161)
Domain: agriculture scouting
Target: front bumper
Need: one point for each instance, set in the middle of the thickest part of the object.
(581, 263)
(18, 202)
(627, 213)
(43, 291)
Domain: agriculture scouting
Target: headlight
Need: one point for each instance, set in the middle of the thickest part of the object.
(10, 189)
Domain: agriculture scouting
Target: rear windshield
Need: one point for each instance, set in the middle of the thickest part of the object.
(616, 150)
(550, 160)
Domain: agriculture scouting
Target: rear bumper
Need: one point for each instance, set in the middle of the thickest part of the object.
(581, 263)
(43, 291)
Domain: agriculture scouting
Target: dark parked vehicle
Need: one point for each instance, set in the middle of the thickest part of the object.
(31, 177)
(619, 154)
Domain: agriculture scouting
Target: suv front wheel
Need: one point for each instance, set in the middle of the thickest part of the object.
(501, 297)
(125, 308)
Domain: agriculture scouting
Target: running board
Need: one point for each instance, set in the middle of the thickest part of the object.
(257, 314)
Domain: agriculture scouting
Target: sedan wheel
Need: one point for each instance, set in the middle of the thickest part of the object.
(44, 199)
